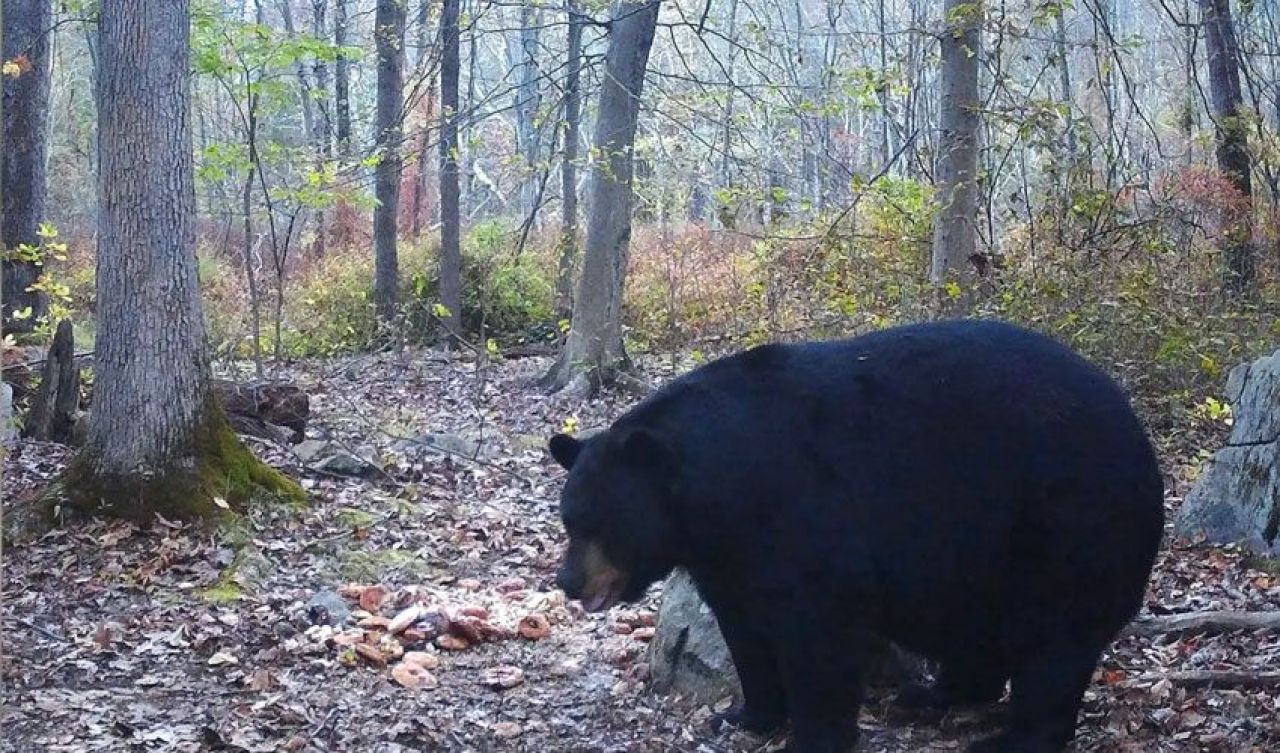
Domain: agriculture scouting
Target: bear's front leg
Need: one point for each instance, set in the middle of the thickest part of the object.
(764, 706)
(822, 672)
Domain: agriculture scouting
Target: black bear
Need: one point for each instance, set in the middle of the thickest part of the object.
(972, 491)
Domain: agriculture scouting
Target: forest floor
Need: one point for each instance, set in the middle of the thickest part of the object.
(176, 639)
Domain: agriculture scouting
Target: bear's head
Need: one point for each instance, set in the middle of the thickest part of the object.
(618, 509)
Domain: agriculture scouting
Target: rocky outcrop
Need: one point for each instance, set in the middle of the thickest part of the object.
(1237, 497)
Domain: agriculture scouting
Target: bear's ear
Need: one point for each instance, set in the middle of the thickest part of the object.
(644, 448)
(564, 449)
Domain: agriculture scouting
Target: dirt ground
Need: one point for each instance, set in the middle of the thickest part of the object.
(177, 639)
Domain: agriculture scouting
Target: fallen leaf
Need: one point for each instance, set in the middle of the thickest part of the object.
(424, 659)
(414, 676)
(452, 643)
(371, 598)
(502, 677)
(534, 627)
(404, 619)
(221, 658)
(370, 654)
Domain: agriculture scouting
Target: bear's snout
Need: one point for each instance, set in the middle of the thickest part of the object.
(588, 576)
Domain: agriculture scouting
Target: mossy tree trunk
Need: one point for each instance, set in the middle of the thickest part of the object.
(593, 353)
(158, 441)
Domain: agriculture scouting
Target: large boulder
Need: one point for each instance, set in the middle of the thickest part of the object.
(8, 427)
(688, 655)
(1237, 497)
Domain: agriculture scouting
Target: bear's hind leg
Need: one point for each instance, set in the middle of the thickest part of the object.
(823, 676)
(1047, 689)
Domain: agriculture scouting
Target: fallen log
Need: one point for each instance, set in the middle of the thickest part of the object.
(1208, 678)
(1207, 623)
(276, 411)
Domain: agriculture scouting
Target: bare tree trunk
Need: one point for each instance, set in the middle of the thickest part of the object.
(389, 36)
(324, 128)
(1064, 78)
(724, 211)
(158, 441)
(955, 255)
(342, 77)
(421, 205)
(569, 163)
(468, 124)
(422, 182)
(300, 68)
(1231, 134)
(594, 353)
(24, 180)
(882, 89)
(450, 191)
(522, 50)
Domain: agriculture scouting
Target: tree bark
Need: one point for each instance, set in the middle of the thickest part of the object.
(421, 181)
(594, 353)
(1231, 136)
(522, 50)
(389, 35)
(53, 411)
(24, 180)
(342, 77)
(569, 163)
(955, 255)
(158, 441)
(450, 191)
(319, 30)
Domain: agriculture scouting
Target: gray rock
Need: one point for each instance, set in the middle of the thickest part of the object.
(310, 449)
(1237, 497)
(688, 655)
(343, 463)
(327, 607)
(8, 428)
(329, 457)
(452, 444)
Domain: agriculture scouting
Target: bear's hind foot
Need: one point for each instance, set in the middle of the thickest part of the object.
(1007, 742)
(763, 725)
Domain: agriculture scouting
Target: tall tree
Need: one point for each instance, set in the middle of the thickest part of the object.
(1232, 139)
(158, 441)
(342, 76)
(24, 179)
(389, 22)
(569, 161)
(450, 190)
(421, 182)
(522, 56)
(324, 129)
(955, 254)
(593, 353)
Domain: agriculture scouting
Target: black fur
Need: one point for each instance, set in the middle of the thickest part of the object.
(973, 491)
